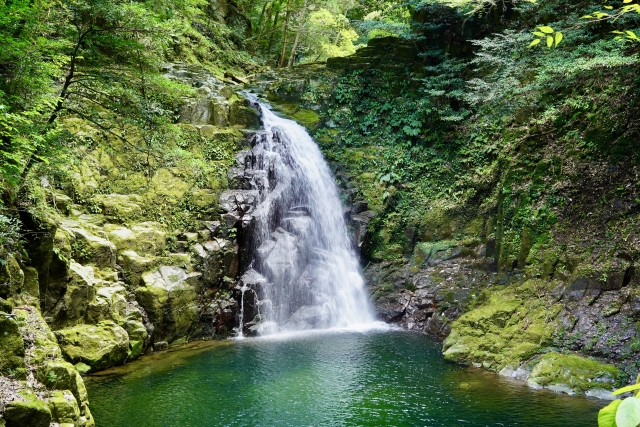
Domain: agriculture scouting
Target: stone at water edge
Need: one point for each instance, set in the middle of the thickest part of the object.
(99, 346)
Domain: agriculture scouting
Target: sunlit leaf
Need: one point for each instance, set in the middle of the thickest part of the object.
(627, 1)
(609, 7)
(626, 389)
(587, 17)
(545, 29)
(628, 413)
(549, 42)
(607, 415)
(539, 34)
(534, 42)
(558, 38)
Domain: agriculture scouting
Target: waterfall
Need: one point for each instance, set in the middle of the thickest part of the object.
(300, 263)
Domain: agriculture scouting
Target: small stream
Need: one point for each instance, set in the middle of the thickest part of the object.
(320, 378)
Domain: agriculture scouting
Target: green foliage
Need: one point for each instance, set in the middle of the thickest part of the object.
(100, 61)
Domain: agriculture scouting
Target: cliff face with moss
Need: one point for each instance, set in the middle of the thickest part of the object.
(507, 226)
(117, 261)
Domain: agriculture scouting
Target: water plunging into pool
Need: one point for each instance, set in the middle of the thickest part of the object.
(303, 272)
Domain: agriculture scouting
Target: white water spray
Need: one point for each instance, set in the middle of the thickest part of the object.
(303, 268)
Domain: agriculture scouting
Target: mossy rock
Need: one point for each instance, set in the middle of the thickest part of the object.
(61, 375)
(134, 266)
(79, 292)
(110, 303)
(506, 328)
(166, 186)
(11, 278)
(88, 248)
(241, 114)
(31, 412)
(12, 352)
(98, 346)
(578, 373)
(119, 207)
(64, 407)
(31, 282)
(153, 298)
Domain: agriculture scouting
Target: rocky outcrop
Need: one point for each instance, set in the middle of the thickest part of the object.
(118, 264)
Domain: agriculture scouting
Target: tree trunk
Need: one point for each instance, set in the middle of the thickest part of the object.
(284, 36)
(273, 31)
(265, 23)
(297, 39)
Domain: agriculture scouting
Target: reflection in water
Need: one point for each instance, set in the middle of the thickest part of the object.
(336, 379)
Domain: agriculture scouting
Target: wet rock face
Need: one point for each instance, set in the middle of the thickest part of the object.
(263, 179)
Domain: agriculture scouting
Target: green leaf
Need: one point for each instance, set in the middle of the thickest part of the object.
(628, 413)
(539, 34)
(608, 7)
(627, 1)
(545, 29)
(558, 38)
(626, 389)
(549, 42)
(587, 17)
(607, 415)
(535, 42)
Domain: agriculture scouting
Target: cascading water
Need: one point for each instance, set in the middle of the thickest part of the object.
(300, 263)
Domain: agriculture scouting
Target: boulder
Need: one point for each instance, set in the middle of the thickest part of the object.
(110, 303)
(121, 236)
(64, 407)
(119, 207)
(573, 374)
(98, 346)
(61, 375)
(89, 248)
(151, 238)
(27, 410)
(169, 299)
(11, 348)
(241, 114)
(80, 291)
(134, 266)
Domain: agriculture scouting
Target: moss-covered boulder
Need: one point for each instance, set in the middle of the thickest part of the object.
(134, 266)
(61, 375)
(572, 373)
(78, 294)
(241, 114)
(11, 348)
(27, 410)
(64, 407)
(88, 248)
(508, 327)
(11, 278)
(98, 346)
(110, 303)
(119, 207)
(169, 298)
(151, 238)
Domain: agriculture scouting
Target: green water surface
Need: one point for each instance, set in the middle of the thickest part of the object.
(323, 379)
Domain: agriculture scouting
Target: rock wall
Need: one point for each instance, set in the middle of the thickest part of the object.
(557, 308)
(117, 263)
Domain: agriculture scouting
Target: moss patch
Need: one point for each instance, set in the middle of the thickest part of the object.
(506, 328)
(577, 372)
